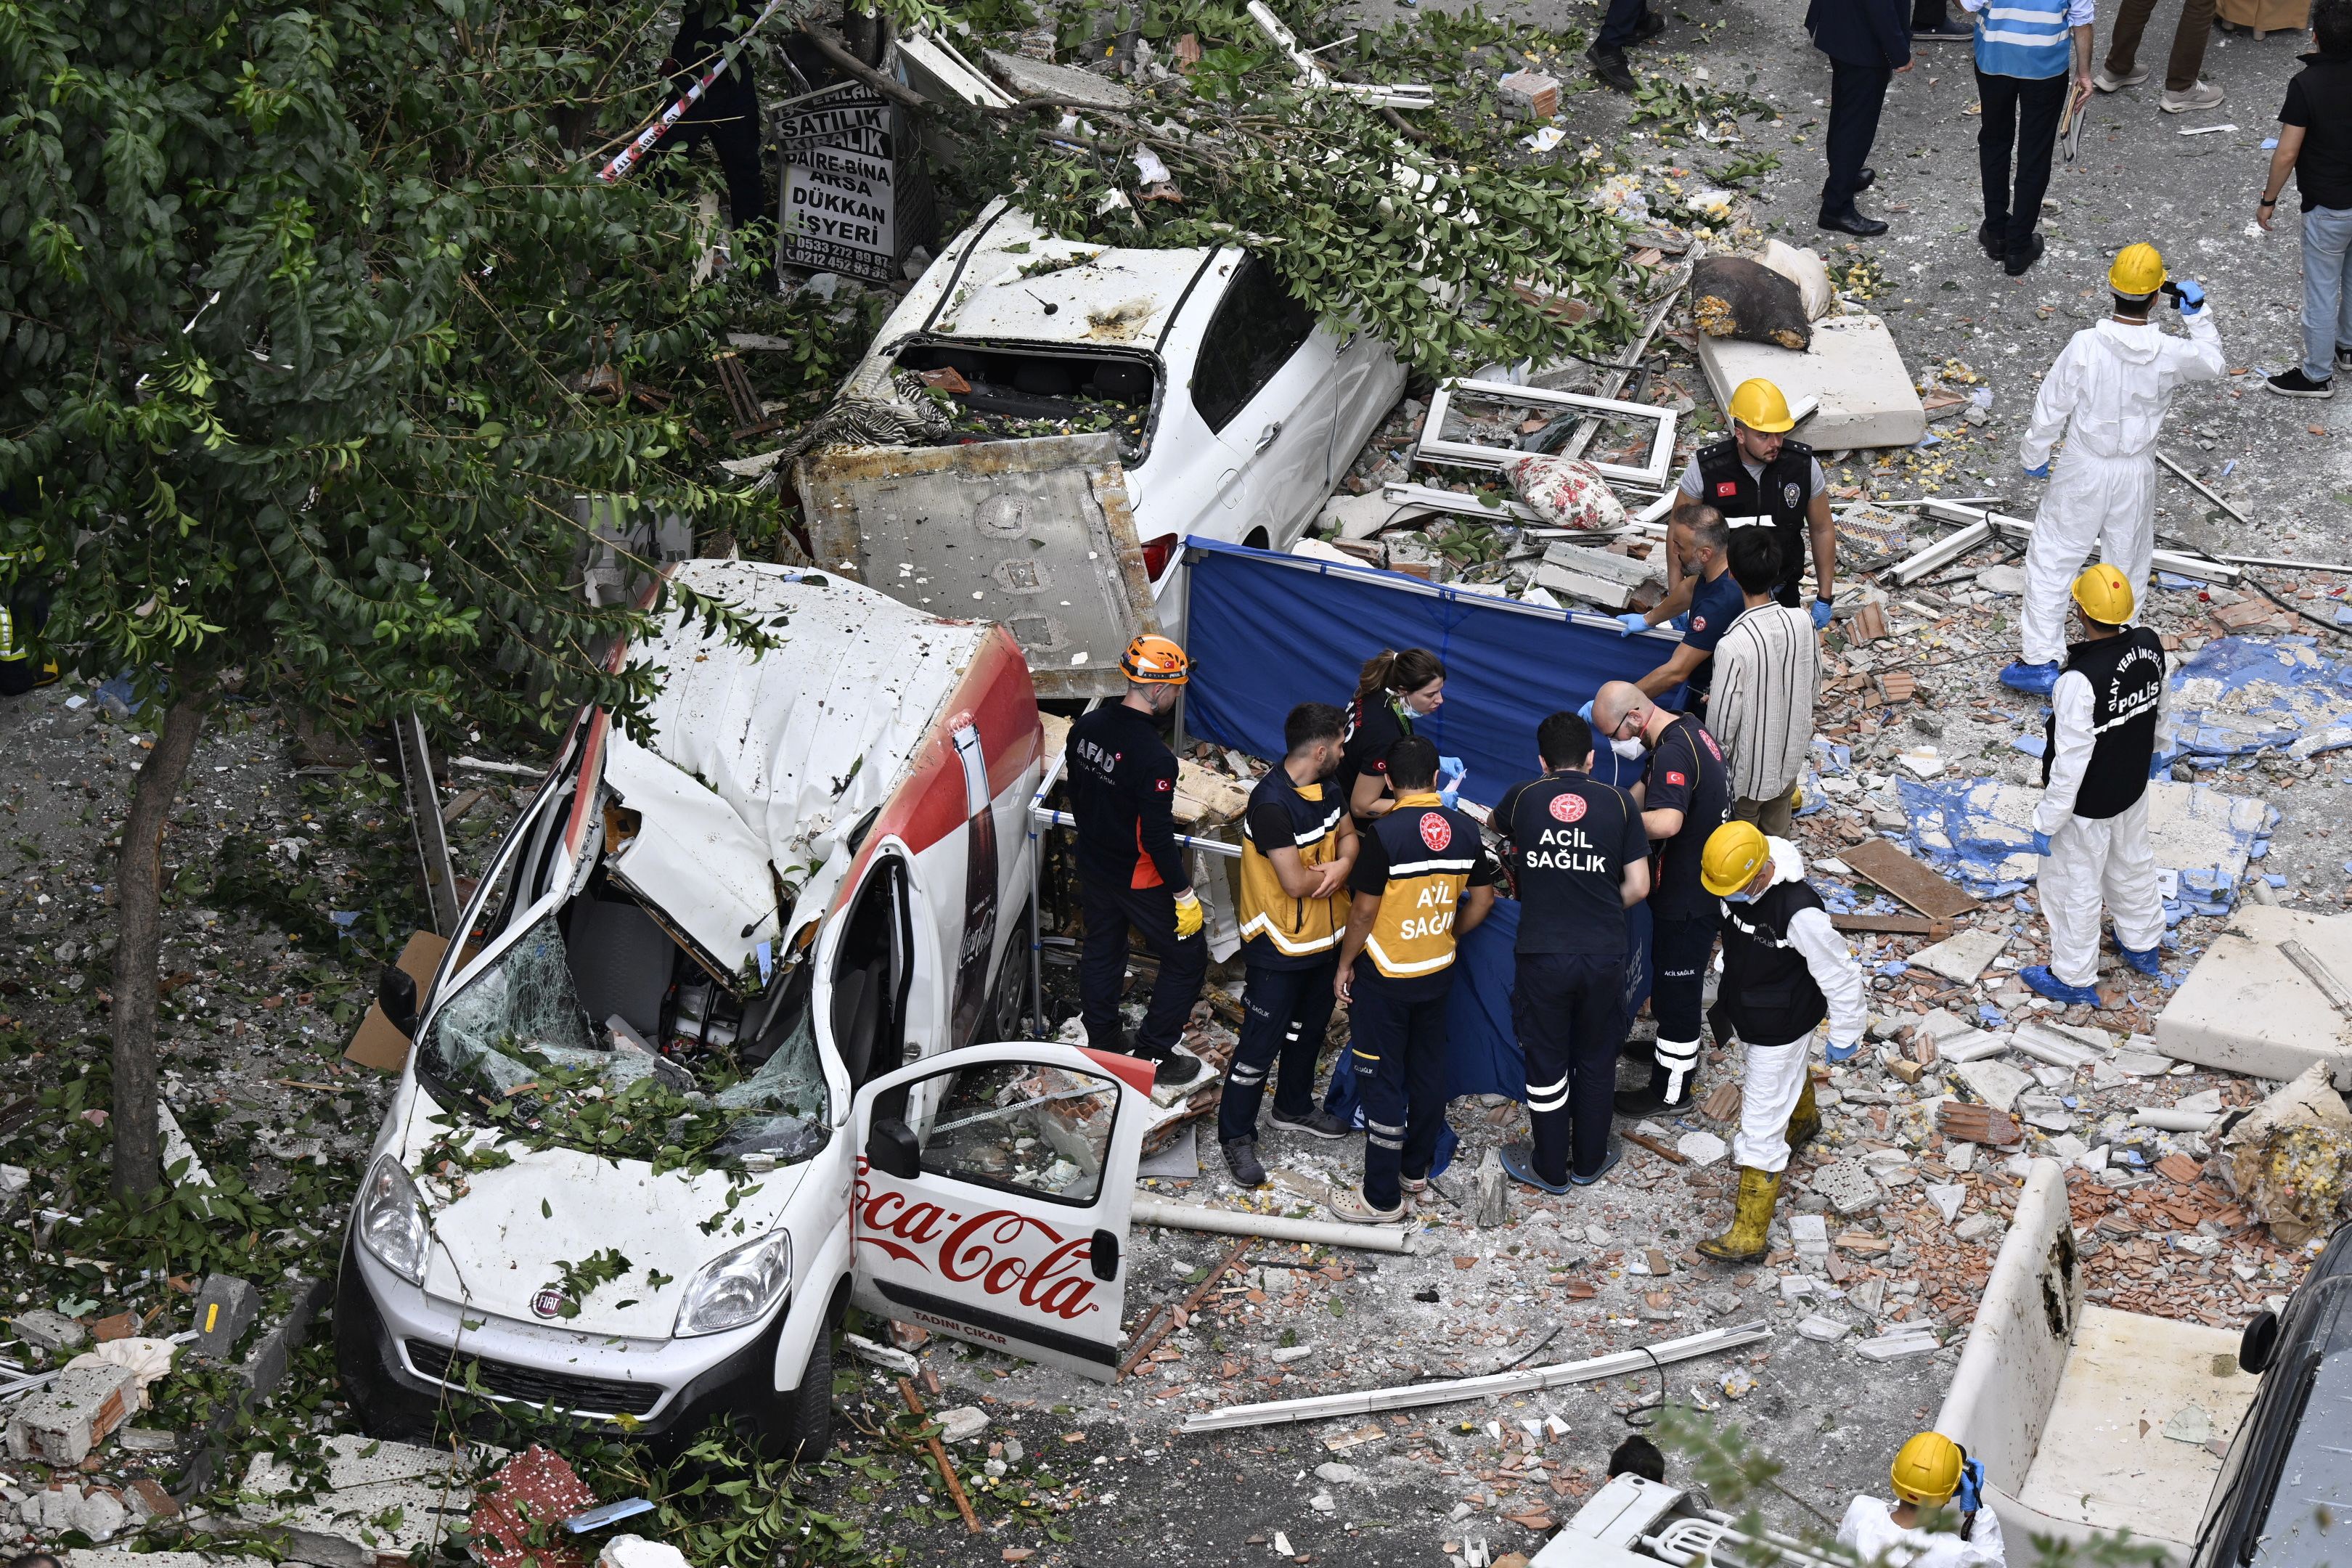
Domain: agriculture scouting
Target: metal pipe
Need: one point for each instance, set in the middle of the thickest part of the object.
(2194, 483)
(1273, 1228)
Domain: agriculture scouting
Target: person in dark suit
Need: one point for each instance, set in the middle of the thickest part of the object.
(1867, 41)
(726, 119)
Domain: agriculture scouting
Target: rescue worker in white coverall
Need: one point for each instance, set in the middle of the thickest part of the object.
(2108, 394)
(2091, 826)
(1785, 971)
(1931, 1474)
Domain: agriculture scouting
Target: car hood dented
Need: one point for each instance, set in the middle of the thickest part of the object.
(759, 767)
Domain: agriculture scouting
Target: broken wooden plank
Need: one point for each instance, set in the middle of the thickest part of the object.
(1892, 925)
(1667, 1151)
(1933, 894)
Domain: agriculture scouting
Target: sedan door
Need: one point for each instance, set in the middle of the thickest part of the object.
(1264, 383)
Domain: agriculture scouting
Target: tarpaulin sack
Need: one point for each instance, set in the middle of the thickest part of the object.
(1566, 492)
(1733, 296)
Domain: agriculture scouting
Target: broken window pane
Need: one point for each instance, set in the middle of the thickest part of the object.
(1034, 1128)
(523, 1001)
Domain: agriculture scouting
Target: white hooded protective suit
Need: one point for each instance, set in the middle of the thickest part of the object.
(1775, 1074)
(2106, 395)
(2093, 860)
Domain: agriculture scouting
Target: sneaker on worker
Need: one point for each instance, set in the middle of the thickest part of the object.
(1519, 1164)
(2036, 679)
(1316, 1123)
(2039, 979)
(2107, 81)
(1353, 1208)
(2295, 384)
(1616, 1152)
(2196, 96)
(1240, 1159)
(2344, 356)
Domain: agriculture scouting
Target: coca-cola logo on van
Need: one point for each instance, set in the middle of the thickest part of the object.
(1006, 1253)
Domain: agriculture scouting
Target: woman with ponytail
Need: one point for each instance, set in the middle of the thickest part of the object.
(1395, 689)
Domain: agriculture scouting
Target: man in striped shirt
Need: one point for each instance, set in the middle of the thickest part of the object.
(1768, 671)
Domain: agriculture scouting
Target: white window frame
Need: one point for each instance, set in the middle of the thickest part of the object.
(1653, 474)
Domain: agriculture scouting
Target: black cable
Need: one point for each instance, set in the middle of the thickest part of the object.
(2255, 583)
(1651, 1407)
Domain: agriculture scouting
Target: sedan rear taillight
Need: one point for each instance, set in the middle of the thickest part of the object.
(1157, 553)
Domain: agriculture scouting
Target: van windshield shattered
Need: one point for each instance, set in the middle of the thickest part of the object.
(516, 1048)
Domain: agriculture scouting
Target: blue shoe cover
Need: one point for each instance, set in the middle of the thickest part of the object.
(2038, 978)
(2034, 678)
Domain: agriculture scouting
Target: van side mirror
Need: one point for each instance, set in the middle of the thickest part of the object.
(2259, 1342)
(890, 1148)
(395, 993)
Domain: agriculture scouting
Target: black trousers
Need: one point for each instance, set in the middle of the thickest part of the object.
(2018, 115)
(1926, 15)
(1569, 1009)
(1102, 965)
(1682, 949)
(1398, 1034)
(1284, 1014)
(1617, 26)
(1856, 94)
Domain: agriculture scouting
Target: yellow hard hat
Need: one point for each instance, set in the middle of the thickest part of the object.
(2105, 594)
(1155, 660)
(2139, 269)
(1729, 860)
(1927, 1469)
(1759, 405)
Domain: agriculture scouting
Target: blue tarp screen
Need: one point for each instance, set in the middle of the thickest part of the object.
(1267, 632)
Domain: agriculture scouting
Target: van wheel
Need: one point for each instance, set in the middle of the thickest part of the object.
(383, 1408)
(1008, 994)
(800, 1422)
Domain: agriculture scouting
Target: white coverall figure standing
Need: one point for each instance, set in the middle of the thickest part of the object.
(2107, 394)
(2091, 824)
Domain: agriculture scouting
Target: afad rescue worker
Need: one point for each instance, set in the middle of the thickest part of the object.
(1580, 859)
(1394, 689)
(1756, 476)
(1299, 845)
(1785, 970)
(2108, 394)
(1930, 1472)
(1685, 797)
(1122, 790)
(1423, 876)
(2091, 826)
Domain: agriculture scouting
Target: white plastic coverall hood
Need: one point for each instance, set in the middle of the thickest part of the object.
(2108, 394)
(760, 766)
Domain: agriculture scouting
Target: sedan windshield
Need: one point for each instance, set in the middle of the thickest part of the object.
(516, 1048)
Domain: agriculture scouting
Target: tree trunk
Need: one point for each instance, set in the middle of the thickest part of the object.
(139, 900)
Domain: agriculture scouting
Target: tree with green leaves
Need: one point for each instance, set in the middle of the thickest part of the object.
(314, 323)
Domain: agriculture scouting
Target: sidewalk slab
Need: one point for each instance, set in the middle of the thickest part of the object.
(2245, 1008)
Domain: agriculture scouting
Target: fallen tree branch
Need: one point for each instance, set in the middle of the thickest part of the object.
(939, 1457)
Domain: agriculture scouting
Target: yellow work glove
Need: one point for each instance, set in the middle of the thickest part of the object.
(1188, 914)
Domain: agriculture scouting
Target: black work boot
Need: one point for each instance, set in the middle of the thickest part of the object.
(1240, 1159)
(1609, 69)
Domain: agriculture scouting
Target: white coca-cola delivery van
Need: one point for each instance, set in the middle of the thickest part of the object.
(714, 1056)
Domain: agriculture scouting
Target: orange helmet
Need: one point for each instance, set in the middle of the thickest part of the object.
(1156, 661)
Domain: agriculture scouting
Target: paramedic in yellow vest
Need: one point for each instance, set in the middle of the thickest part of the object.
(1299, 845)
(1423, 876)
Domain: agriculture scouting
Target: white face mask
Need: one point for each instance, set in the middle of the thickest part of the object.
(1629, 749)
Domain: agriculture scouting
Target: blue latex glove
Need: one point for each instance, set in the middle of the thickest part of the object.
(1970, 1496)
(1822, 610)
(1448, 799)
(2189, 295)
(2041, 845)
(2041, 473)
(1585, 712)
(1632, 623)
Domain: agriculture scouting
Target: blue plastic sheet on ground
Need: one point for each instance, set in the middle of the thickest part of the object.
(2236, 698)
(1978, 832)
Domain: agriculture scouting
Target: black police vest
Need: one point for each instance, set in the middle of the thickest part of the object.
(2127, 677)
(1768, 987)
(1779, 496)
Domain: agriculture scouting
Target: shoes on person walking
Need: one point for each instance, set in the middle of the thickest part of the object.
(1649, 26)
(2019, 259)
(1748, 1236)
(1990, 239)
(2293, 382)
(2033, 679)
(1176, 1069)
(1805, 1120)
(1852, 223)
(1946, 28)
(1316, 1123)
(1651, 1097)
(1519, 1164)
(2199, 95)
(2040, 980)
(1864, 180)
(1240, 1159)
(2148, 961)
(1609, 69)
(1354, 1209)
(2106, 81)
(1616, 1152)
(2344, 356)
(1416, 1185)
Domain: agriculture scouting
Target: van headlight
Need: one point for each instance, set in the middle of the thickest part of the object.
(391, 1220)
(737, 1287)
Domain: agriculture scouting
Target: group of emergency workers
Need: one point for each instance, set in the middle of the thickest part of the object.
(1359, 871)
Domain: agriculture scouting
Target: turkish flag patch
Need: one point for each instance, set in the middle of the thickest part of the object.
(1676, 778)
(1698, 623)
(1727, 487)
(1435, 831)
(1568, 808)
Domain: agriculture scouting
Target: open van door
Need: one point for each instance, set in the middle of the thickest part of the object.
(1005, 1222)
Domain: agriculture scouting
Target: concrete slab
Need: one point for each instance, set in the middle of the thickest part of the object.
(1853, 367)
(2045, 1043)
(1997, 1084)
(370, 1485)
(1973, 1047)
(1963, 955)
(2246, 1009)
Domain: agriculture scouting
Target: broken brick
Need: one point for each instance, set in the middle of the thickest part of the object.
(2181, 1168)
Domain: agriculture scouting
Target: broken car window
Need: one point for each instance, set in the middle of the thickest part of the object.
(1257, 327)
(1044, 1131)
